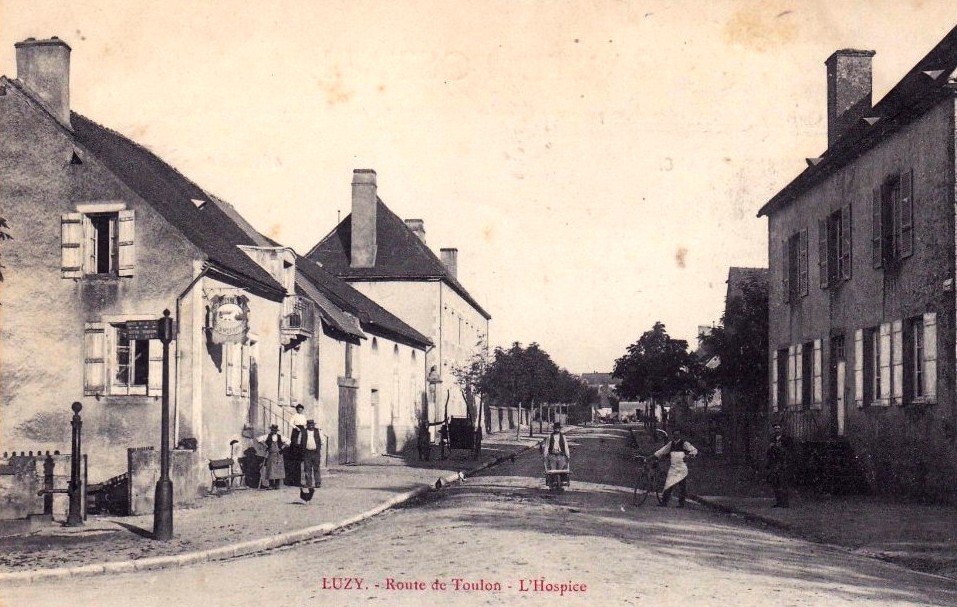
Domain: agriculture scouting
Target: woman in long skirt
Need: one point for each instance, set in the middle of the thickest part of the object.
(275, 469)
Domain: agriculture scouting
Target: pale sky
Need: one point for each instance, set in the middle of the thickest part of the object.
(598, 164)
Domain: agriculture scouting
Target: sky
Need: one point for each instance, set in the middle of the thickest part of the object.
(598, 164)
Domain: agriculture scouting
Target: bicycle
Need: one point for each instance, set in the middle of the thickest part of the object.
(648, 481)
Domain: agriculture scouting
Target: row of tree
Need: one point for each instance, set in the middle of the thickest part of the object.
(660, 369)
(525, 377)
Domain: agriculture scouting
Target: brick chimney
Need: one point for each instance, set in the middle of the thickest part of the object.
(450, 259)
(417, 226)
(364, 208)
(848, 91)
(43, 66)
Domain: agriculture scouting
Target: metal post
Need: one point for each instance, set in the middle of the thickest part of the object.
(163, 503)
(75, 517)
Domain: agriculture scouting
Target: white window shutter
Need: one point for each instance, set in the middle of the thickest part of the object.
(791, 376)
(244, 371)
(897, 362)
(930, 356)
(859, 368)
(774, 380)
(885, 346)
(799, 374)
(71, 245)
(94, 358)
(296, 386)
(126, 249)
(154, 379)
(232, 369)
(818, 387)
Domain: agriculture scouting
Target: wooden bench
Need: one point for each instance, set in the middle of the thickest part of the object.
(221, 473)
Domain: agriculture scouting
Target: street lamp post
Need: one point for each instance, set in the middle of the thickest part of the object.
(163, 503)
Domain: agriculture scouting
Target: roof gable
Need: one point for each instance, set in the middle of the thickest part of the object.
(401, 255)
(171, 194)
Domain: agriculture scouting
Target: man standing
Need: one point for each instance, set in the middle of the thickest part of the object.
(779, 456)
(557, 453)
(677, 449)
(310, 447)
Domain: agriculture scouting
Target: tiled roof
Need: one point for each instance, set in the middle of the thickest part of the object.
(372, 317)
(171, 194)
(401, 255)
(926, 84)
(737, 277)
(600, 379)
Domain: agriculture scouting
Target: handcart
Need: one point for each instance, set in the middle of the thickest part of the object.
(557, 472)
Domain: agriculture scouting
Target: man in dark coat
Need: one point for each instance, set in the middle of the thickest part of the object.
(310, 446)
(779, 465)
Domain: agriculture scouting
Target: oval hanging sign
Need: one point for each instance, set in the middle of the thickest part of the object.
(229, 318)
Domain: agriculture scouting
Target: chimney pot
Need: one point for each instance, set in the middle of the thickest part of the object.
(43, 66)
(450, 259)
(364, 209)
(849, 87)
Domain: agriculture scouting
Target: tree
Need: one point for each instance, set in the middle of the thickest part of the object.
(469, 378)
(657, 368)
(4, 235)
(741, 344)
(525, 377)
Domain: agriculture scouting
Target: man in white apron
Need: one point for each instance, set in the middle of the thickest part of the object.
(677, 448)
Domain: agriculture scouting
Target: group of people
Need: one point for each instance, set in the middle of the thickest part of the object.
(779, 455)
(304, 446)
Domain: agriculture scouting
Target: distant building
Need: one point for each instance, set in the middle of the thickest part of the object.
(387, 259)
(862, 298)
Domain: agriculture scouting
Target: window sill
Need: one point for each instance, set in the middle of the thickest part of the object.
(923, 400)
(101, 277)
(126, 400)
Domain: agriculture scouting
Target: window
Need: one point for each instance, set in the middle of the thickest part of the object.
(878, 365)
(795, 267)
(98, 242)
(834, 247)
(892, 217)
(116, 365)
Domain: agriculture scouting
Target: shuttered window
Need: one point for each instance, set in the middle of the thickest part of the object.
(892, 224)
(97, 244)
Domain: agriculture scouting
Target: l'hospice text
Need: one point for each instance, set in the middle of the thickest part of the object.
(454, 585)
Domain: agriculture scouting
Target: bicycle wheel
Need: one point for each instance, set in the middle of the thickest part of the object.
(642, 488)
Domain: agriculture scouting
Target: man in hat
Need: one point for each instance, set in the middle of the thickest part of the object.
(677, 449)
(274, 470)
(556, 451)
(779, 465)
(310, 447)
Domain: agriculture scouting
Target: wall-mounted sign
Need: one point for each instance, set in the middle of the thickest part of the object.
(142, 329)
(228, 318)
